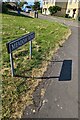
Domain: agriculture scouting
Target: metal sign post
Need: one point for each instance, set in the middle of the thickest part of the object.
(15, 44)
(12, 65)
(30, 49)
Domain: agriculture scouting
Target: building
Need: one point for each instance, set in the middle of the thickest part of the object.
(63, 6)
(73, 8)
(46, 5)
(69, 7)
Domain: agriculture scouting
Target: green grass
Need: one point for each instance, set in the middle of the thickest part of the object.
(48, 34)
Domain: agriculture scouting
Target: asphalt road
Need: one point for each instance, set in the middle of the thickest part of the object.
(61, 96)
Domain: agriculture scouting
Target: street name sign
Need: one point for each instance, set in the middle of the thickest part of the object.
(15, 44)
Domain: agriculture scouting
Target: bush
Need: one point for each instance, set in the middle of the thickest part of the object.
(11, 7)
(36, 6)
(67, 16)
(54, 9)
(51, 10)
(79, 18)
(4, 7)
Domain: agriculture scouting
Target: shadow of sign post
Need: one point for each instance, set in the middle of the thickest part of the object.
(15, 44)
(66, 71)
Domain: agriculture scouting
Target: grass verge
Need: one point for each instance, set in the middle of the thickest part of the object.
(17, 92)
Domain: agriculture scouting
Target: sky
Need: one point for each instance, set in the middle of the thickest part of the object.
(25, 0)
(30, 2)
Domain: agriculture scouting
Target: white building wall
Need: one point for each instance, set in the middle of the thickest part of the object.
(72, 4)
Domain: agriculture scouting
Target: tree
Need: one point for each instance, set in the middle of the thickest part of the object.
(36, 6)
(54, 9)
(4, 7)
(22, 3)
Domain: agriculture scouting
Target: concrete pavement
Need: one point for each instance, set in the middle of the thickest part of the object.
(65, 21)
(61, 97)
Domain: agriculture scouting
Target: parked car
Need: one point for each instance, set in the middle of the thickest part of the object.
(26, 8)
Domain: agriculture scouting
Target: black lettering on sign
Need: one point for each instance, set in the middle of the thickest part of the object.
(15, 44)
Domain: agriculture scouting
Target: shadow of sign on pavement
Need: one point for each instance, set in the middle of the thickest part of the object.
(65, 73)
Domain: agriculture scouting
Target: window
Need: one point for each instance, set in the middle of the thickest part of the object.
(70, 1)
(46, 2)
(75, 1)
(28, 7)
(68, 11)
